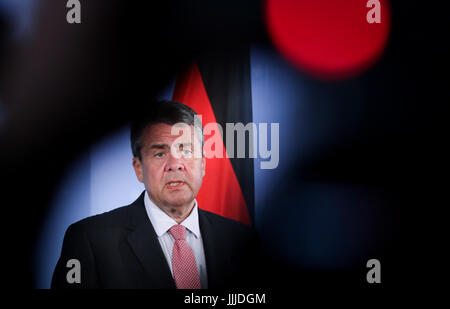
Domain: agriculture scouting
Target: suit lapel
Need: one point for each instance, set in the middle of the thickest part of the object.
(215, 252)
(144, 242)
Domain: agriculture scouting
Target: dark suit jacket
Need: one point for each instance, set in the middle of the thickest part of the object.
(120, 249)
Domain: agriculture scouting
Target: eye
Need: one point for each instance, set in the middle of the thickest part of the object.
(186, 152)
(159, 154)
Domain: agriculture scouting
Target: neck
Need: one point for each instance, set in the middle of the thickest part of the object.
(178, 213)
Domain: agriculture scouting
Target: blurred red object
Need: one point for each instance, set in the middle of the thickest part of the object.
(329, 38)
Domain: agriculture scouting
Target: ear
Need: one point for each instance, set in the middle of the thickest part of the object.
(137, 165)
(203, 166)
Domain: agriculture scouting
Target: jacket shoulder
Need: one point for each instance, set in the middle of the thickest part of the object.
(227, 224)
(117, 217)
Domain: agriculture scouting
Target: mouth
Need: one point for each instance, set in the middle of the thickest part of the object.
(175, 184)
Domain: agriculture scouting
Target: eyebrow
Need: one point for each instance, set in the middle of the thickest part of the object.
(159, 146)
(184, 144)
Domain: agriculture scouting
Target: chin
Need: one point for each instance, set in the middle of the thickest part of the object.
(177, 202)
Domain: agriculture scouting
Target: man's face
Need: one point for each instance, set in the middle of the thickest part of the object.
(172, 175)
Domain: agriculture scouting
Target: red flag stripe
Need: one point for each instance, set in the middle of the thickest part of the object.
(220, 192)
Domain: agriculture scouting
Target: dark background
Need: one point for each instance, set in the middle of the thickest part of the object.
(66, 86)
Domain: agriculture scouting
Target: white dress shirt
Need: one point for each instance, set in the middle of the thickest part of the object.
(162, 223)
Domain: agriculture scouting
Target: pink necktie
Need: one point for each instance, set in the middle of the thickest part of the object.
(184, 267)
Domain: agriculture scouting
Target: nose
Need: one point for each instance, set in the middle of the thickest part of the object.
(174, 164)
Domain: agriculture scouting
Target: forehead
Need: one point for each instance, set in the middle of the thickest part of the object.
(162, 133)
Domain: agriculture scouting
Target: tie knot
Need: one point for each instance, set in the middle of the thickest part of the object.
(178, 232)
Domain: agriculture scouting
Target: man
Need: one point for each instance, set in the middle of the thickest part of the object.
(163, 239)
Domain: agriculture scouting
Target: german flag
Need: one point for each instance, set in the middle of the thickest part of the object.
(218, 88)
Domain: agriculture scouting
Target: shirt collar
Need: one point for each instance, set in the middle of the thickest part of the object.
(162, 222)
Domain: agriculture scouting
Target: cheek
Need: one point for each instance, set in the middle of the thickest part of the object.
(153, 173)
(196, 172)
